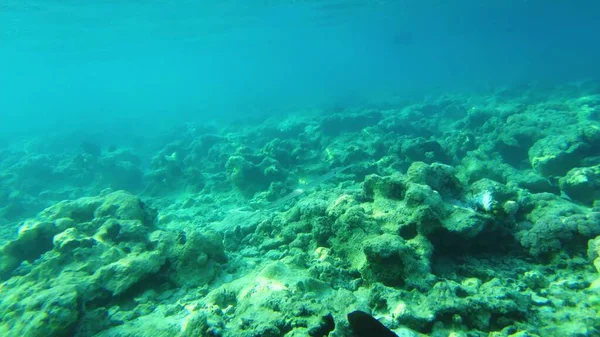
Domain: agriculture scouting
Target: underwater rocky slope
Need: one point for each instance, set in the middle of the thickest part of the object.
(461, 215)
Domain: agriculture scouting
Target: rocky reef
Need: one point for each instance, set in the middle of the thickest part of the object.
(461, 215)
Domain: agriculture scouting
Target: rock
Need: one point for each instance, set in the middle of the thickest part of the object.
(394, 262)
(424, 150)
(465, 222)
(120, 275)
(438, 176)
(582, 184)
(539, 300)
(42, 313)
(391, 187)
(557, 154)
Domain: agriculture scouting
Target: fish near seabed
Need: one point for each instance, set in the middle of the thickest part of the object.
(365, 325)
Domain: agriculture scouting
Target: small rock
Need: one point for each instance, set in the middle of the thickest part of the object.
(539, 300)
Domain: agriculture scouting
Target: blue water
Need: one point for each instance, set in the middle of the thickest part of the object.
(127, 64)
(435, 161)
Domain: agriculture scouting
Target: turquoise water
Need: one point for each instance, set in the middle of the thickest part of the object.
(88, 63)
(299, 168)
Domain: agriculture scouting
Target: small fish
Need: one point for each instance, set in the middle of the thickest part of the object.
(365, 325)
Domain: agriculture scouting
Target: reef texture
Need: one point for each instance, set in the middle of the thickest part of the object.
(463, 215)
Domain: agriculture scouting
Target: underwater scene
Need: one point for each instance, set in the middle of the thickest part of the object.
(299, 168)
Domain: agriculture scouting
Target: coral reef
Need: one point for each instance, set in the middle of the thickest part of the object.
(459, 215)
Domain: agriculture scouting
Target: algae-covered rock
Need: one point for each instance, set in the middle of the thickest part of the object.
(438, 176)
(123, 205)
(424, 150)
(419, 195)
(196, 325)
(349, 122)
(438, 249)
(550, 233)
(593, 251)
(535, 280)
(533, 182)
(70, 240)
(194, 257)
(395, 262)
(120, 275)
(493, 303)
(465, 223)
(31, 310)
(471, 304)
(93, 250)
(475, 167)
(557, 154)
(250, 176)
(391, 187)
(118, 204)
(37, 236)
(34, 239)
(582, 184)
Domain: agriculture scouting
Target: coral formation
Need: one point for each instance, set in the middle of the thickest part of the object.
(461, 215)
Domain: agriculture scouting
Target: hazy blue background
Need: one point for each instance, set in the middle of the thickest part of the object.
(102, 64)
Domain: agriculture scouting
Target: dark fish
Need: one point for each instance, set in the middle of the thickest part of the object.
(365, 325)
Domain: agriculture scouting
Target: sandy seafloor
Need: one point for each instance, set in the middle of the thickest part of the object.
(459, 214)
